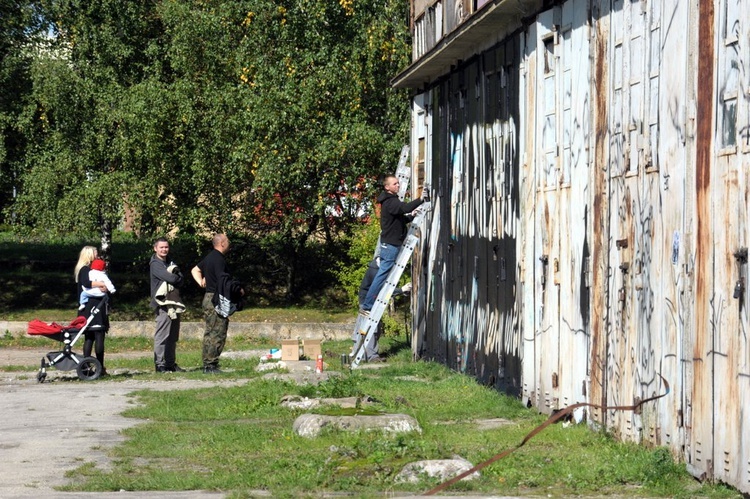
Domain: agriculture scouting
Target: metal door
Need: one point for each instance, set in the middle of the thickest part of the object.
(561, 301)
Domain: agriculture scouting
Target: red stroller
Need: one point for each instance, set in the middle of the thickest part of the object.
(87, 368)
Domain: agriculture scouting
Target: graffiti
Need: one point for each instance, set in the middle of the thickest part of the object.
(594, 193)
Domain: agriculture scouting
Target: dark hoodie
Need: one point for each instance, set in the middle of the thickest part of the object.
(393, 219)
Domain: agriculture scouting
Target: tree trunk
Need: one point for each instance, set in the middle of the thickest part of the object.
(106, 251)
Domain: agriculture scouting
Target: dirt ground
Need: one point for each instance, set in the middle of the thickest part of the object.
(53, 427)
(50, 428)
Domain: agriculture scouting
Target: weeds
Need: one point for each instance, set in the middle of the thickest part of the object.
(239, 439)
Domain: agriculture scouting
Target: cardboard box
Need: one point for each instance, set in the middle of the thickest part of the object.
(311, 349)
(289, 349)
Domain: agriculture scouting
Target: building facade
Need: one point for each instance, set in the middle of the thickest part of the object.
(589, 162)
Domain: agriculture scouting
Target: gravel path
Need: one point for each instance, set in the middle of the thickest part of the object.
(54, 427)
(50, 428)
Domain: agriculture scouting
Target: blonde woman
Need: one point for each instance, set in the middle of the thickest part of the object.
(94, 334)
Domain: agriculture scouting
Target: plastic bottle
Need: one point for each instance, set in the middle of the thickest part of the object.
(319, 365)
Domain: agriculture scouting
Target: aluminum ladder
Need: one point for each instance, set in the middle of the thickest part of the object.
(367, 325)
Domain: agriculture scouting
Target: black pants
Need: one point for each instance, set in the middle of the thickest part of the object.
(98, 327)
(92, 338)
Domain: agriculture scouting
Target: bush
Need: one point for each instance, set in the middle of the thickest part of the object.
(361, 249)
(38, 272)
(361, 246)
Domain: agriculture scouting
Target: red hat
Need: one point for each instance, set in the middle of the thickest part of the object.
(98, 264)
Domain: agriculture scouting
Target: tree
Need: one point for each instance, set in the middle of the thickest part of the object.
(267, 120)
(324, 121)
(19, 32)
(75, 178)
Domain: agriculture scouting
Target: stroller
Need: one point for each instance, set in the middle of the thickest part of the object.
(87, 368)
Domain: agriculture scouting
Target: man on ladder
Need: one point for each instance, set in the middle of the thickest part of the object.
(394, 221)
(393, 228)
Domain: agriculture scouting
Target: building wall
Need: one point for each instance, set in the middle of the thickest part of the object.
(590, 225)
(468, 269)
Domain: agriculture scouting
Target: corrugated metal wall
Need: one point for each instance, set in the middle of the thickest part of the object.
(590, 222)
(468, 266)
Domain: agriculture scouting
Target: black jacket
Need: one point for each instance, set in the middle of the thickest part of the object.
(393, 219)
(227, 298)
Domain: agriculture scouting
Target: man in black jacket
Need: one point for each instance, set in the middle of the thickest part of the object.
(393, 229)
(207, 274)
(167, 328)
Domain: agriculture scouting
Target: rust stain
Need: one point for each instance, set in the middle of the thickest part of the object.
(701, 415)
(600, 221)
(703, 151)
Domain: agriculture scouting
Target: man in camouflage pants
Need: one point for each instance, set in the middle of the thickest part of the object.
(207, 274)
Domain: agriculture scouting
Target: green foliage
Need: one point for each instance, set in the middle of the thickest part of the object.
(264, 120)
(394, 327)
(361, 247)
(32, 261)
(19, 31)
(339, 387)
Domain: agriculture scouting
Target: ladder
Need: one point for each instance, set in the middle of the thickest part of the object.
(367, 325)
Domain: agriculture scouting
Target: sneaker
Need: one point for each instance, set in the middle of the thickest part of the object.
(212, 370)
(364, 312)
(161, 369)
(176, 369)
(103, 373)
(375, 359)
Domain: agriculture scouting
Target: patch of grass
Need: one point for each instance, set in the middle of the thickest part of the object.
(238, 439)
(293, 315)
(142, 312)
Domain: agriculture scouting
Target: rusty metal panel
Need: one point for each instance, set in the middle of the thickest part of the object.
(421, 268)
(557, 150)
(590, 228)
(531, 284)
(646, 222)
(547, 217)
(701, 456)
(573, 89)
(471, 311)
(600, 281)
(727, 192)
(661, 279)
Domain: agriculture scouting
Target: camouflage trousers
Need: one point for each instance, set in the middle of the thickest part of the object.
(215, 335)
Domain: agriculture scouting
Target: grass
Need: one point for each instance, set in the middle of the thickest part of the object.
(239, 439)
(272, 315)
